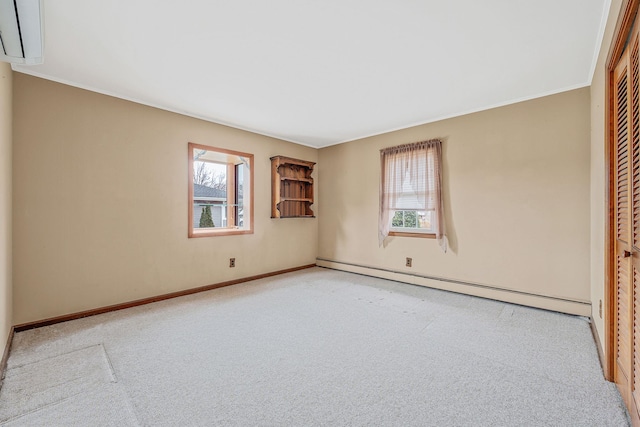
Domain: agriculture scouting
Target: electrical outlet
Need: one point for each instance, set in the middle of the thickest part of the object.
(232, 262)
(409, 261)
(600, 309)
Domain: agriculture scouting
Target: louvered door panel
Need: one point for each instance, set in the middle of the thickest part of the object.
(623, 331)
(626, 173)
(623, 156)
(634, 91)
(636, 337)
(634, 286)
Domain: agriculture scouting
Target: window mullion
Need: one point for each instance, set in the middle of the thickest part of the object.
(231, 194)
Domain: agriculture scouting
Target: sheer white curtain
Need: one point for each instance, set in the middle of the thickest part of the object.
(419, 164)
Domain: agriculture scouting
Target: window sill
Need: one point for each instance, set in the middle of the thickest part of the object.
(220, 232)
(405, 234)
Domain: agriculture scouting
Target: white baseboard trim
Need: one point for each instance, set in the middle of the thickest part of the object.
(547, 302)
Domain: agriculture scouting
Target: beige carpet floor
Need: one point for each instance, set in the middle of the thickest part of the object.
(312, 348)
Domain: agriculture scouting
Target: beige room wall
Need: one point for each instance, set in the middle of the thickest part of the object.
(5, 203)
(598, 173)
(100, 203)
(516, 182)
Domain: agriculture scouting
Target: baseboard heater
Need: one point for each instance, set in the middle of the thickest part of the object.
(587, 304)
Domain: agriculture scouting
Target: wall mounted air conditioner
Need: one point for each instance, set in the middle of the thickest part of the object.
(21, 31)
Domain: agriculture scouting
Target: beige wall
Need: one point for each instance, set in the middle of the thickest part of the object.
(100, 203)
(516, 182)
(598, 173)
(5, 203)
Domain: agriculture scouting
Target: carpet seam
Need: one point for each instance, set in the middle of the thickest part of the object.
(49, 405)
(114, 378)
(53, 357)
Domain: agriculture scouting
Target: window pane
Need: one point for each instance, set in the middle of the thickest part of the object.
(412, 219)
(424, 220)
(240, 194)
(397, 220)
(209, 193)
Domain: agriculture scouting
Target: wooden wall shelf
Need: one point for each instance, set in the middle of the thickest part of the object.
(291, 188)
(286, 178)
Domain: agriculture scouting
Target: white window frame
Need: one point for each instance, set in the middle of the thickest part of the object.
(402, 230)
(231, 159)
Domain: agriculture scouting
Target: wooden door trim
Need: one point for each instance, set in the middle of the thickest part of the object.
(623, 27)
(618, 43)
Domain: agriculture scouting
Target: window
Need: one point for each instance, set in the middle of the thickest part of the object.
(411, 220)
(411, 192)
(220, 191)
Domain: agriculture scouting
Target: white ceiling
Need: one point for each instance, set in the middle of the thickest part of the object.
(322, 72)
